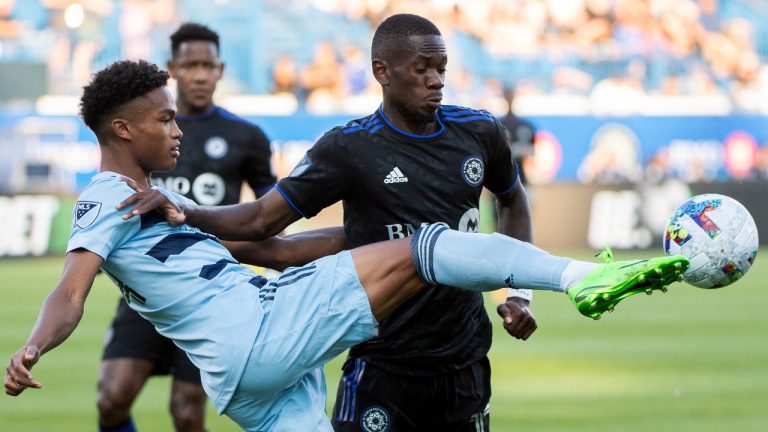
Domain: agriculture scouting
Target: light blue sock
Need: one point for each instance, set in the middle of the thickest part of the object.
(128, 426)
(483, 262)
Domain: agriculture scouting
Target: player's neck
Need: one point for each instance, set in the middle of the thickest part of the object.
(185, 109)
(409, 124)
(123, 165)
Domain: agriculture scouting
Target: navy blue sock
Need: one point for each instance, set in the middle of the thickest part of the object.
(128, 426)
(483, 262)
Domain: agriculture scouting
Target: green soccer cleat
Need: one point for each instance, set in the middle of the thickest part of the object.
(612, 282)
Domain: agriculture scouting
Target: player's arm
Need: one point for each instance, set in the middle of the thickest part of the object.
(280, 252)
(59, 315)
(255, 220)
(514, 220)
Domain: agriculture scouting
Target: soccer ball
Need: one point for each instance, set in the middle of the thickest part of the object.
(717, 234)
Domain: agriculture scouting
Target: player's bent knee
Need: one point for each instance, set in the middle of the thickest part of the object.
(187, 407)
(113, 407)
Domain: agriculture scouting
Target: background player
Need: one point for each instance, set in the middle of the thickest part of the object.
(260, 344)
(520, 135)
(221, 152)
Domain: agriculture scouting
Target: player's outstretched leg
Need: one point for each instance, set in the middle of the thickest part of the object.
(482, 262)
(610, 283)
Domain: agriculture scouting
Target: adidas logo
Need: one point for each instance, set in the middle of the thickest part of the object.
(395, 176)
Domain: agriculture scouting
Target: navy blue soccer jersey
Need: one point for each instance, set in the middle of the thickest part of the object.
(219, 151)
(391, 182)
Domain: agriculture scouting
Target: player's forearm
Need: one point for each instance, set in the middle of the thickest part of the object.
(251, 221)
(240, 222)
(285, 251)
(514, 215)
(58, 318)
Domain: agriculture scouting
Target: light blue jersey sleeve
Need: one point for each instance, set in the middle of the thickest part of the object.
(96, 224)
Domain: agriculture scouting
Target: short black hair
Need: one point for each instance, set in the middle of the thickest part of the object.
(394, 29)
(116, 85)
(193, 32)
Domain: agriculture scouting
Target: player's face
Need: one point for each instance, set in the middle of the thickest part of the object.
(417, 78)
(156, 136)
(197, 69)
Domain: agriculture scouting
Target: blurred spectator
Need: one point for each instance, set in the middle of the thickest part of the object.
(680, 47)
(321, 79)
(284, 76)
(356, 69)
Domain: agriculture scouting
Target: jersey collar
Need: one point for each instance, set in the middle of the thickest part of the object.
(439, 132)
(202, 116)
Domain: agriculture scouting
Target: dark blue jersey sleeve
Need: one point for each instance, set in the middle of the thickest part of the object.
(256, 166)
(501, 174)
(320, 179)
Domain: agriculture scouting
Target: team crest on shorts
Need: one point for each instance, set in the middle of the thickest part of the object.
(86, 212)
(375, 419)
(216, 147)
(473, 171)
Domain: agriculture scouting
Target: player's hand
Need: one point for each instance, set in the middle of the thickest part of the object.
(17, 375)
(518, 319)
(146, 200)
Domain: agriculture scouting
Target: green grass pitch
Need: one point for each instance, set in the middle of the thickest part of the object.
(689, 360)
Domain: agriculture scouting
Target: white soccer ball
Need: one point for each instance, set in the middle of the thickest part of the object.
(719, 237)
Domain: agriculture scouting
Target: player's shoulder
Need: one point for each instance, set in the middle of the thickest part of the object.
(108, 186)
(476, 121)
(354, 131)
(367, 125)
(225, 116)
(100, 198)
(460, 114)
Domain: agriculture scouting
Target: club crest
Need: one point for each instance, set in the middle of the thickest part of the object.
(375, 419)
(473, 171)
(216, 147)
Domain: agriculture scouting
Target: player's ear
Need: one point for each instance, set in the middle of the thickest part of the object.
(380, 71)
(120, 128)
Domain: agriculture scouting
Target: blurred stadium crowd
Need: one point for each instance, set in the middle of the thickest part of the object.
(315, 53)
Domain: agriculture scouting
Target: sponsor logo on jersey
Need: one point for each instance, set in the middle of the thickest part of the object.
(375, 419)
(216, 147)
(395, 176)
(208, 189)
(470, 221)
(180, 185)
(86, 212)
(473, 171)
(403, 230)
(302, 166)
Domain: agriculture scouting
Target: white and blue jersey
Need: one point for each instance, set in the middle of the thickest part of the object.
(259, 344)
(180, 279)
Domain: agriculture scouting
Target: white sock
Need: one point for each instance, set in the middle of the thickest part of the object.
(574, 272)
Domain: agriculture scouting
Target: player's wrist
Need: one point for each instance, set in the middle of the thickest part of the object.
(520, 293)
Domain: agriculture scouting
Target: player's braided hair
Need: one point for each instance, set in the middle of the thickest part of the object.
(193, 32)
(116, 85)
(394, 29)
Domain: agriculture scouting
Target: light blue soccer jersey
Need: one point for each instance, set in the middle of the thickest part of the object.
(180, 279)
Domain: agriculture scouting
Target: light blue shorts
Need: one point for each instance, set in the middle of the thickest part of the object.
(312, 314)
